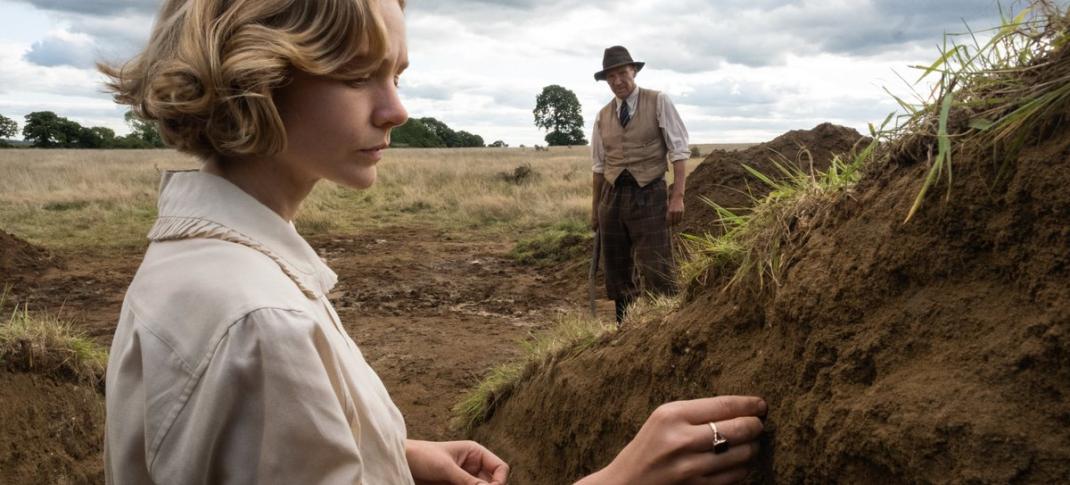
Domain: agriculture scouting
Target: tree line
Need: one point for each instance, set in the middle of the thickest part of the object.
(557, 110)
(432, 133)
(45, 129)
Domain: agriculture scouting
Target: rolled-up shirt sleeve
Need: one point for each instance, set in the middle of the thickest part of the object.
(598, 153)
(269, 408)
(675, 133)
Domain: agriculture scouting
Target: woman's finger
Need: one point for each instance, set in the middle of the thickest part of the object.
(499, 470)
(709, 463)
(701, 411)
(699, 438)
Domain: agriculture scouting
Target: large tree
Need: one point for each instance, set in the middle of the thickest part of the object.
(8, 127)
(46, 129)
(558, 110)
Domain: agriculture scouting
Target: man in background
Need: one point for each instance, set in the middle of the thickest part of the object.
(635, 138)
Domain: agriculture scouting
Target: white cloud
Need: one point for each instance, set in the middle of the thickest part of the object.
(63, 48)
(739, 70)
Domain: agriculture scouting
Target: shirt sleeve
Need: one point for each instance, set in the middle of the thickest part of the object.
(269, 408)
(598, 154)
(673, 128)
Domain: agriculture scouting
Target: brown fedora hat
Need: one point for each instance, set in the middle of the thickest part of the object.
(616, 56)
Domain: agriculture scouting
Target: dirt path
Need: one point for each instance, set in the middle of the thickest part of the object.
(431, 311)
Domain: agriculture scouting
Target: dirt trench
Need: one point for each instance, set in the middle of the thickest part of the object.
(432, 311)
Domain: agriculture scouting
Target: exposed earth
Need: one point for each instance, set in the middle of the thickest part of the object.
(933, 351)
(431, 311)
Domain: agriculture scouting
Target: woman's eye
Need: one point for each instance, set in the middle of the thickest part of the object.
(359, 81)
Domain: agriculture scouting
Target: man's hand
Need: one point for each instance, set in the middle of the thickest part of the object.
(594, 219)
(454, 463)
(676, 209)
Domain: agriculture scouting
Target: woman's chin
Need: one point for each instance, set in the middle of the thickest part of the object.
(358, 181)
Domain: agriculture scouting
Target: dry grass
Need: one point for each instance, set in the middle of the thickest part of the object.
(79, 198)
(46, 345)
(107, 198)
(570, 334)
(993, 98)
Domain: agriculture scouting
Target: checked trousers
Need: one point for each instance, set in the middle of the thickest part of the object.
(635, 239)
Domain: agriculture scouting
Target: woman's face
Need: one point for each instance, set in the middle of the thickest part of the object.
(338, 130)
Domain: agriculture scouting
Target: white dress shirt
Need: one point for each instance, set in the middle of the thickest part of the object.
(230, 366)
(672, 128)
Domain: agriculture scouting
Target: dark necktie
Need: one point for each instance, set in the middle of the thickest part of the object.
(625, 116)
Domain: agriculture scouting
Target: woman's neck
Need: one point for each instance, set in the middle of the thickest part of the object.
(268, 181)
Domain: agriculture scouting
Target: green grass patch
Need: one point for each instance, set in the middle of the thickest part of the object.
(562, 242)
(81, 225)
(46, 345)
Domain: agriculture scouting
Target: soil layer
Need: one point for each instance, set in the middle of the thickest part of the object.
(51, 431)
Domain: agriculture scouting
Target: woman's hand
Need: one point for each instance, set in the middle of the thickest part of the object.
(454, 463)
(675, 445)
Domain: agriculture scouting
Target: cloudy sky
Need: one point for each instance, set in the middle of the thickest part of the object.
(738, 70)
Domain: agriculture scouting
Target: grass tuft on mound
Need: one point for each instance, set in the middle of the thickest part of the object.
(651, 308)
(751, 246)
(570, 334)
(991, 98)
(560, 243)
(46, 345)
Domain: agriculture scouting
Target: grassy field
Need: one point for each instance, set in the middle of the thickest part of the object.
(97, 199)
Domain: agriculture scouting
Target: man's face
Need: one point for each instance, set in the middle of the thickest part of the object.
(621, 80)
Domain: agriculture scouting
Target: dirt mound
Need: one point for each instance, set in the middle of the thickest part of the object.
(721, 176)
(20, 259)
(51, 431)
(929, 352)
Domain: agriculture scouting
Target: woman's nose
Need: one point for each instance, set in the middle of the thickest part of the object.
(389, 111)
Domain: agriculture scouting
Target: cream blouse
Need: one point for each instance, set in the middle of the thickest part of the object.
(229, 365)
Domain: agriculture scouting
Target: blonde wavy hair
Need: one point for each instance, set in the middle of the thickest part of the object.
(207, 75)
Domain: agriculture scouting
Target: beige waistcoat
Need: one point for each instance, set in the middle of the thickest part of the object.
(639, 147)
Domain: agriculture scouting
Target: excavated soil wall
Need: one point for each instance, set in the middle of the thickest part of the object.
(51, 430)
(935, 351)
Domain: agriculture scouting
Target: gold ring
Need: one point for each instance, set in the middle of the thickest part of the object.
(720, 443)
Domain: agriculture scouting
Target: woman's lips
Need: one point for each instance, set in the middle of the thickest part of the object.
(374, 153)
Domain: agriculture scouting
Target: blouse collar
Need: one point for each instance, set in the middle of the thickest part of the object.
(195, 204)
